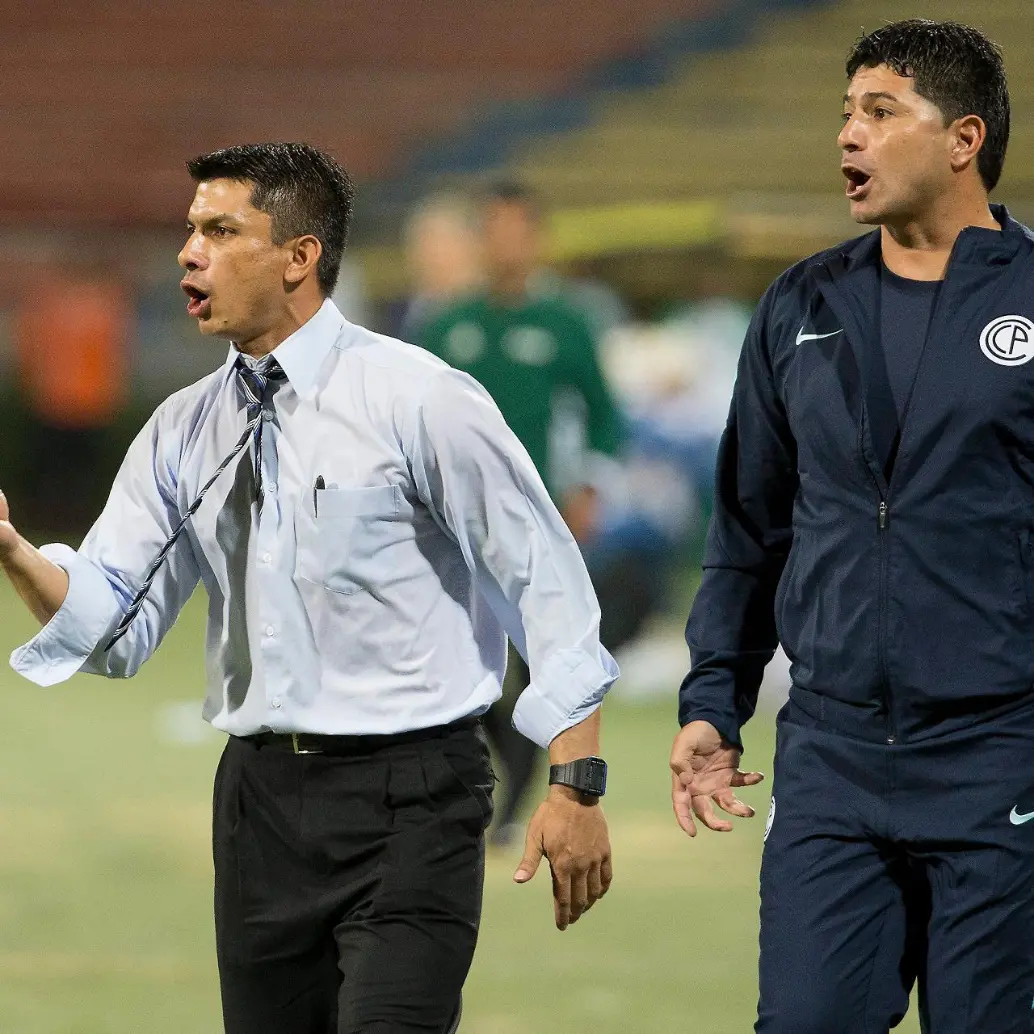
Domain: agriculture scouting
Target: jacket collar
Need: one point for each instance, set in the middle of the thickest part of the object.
(974, 246)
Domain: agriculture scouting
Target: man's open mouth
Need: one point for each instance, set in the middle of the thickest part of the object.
(198, 304)
(857, 182)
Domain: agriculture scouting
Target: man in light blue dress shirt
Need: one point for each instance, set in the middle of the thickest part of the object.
(368, 531)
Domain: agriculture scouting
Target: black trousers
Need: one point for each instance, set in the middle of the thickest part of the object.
(348, 886)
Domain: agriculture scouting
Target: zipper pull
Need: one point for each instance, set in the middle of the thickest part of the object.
(883, 515)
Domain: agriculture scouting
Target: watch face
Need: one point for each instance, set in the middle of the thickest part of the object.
(588, 775)
(596, 775)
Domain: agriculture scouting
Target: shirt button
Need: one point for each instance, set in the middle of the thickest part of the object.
(266, 558)
(271, 488)
(276, 702)
(270, 631)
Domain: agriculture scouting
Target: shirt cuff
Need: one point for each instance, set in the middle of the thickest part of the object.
(569, 687)
(64, 644)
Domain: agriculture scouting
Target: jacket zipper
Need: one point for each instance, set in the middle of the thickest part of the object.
(882, 522)
(883, 510)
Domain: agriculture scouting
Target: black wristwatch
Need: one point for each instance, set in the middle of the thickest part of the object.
(586, 775)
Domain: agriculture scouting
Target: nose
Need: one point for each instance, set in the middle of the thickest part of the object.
(192, 256)
(850, 138)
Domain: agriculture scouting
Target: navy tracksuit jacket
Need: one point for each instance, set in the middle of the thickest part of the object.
(906, 607)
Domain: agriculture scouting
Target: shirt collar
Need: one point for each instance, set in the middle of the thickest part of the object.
(301, 355)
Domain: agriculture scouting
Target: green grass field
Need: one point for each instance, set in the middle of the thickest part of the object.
(105, 877)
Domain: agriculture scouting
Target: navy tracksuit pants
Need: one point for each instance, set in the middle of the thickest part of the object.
(888, 864)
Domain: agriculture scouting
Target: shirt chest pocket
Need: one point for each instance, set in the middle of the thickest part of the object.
(339, 546)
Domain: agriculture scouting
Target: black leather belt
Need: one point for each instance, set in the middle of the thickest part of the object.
(318, 743)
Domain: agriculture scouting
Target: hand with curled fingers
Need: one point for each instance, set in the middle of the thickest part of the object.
(704, 772)
(570, 831)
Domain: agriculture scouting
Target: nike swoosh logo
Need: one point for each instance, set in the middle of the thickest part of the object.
(1018, 819)
(801, 336)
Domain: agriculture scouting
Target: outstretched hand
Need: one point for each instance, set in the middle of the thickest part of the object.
(705, 769)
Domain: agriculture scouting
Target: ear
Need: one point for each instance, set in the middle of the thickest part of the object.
(969, 134)
(305, 253)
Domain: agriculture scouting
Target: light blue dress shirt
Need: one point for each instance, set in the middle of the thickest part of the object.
(378, 604)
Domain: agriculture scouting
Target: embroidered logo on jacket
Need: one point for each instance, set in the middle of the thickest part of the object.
(1008, 340)
(1017, 818)
(802, 337)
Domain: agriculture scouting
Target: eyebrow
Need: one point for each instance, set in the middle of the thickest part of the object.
(211, 220)
(875, 95)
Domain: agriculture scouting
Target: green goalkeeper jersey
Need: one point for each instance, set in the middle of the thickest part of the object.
(527, 354)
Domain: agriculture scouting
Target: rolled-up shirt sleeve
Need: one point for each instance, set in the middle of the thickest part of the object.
(476, 478)
(104, 574)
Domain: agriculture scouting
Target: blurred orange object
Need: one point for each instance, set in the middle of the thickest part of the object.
(72, 339)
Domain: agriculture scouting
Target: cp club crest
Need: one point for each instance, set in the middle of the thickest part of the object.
(1008, 340)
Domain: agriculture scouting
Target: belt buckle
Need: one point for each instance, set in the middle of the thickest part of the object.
(299, 750)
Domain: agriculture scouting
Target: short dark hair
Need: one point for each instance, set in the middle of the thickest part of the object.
(510, 192)
(956, 67)
(302, 189)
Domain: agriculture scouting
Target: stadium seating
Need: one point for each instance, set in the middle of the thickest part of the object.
(101, 103)
(726, 136)
(759, 119)
(723, 110)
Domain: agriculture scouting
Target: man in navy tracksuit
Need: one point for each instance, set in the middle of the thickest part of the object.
(875, 515)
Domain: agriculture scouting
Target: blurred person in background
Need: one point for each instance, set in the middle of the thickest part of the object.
(531, 350)
(72, 340)
(873, 513)
(602, 306)
(349, 503)
(443, 253)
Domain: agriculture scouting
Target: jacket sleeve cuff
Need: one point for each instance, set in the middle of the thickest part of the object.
(570, 687)
(65, 643)
(727, 726)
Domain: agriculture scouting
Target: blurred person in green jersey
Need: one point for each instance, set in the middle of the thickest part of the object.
(535, 354)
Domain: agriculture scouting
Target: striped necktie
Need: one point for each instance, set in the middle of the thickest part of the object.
(257, 384)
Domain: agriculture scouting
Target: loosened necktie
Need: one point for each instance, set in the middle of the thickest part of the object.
(256, 385)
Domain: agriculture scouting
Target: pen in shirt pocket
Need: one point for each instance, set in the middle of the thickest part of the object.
(318, 487)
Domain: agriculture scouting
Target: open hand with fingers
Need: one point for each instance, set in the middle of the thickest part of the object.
(705, 771)
(570, 831)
